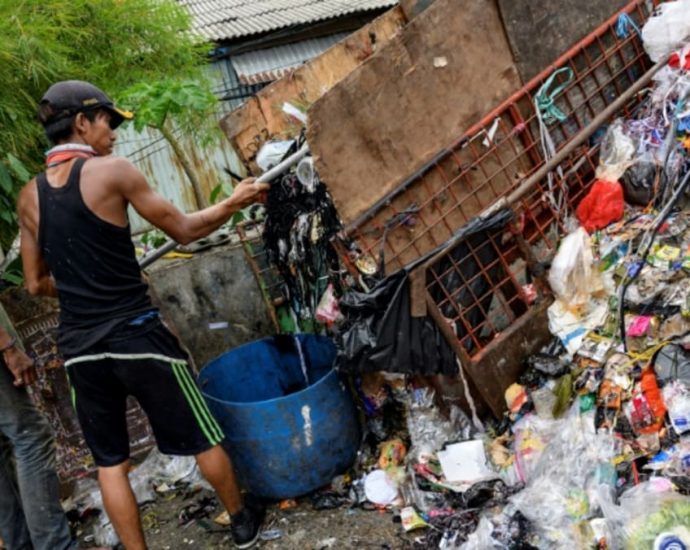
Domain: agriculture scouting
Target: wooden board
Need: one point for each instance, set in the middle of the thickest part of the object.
(448, 67)
(261, 117)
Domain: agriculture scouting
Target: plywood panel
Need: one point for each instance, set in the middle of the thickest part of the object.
(261, 117)
(416, 95)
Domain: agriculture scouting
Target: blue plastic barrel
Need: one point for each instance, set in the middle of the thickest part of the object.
(286, 438)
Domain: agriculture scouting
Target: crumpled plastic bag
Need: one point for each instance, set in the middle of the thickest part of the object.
(104, 533)
(644, 512)
(617, 153)
(677, 399)
(638, 180)
(159, 468)
(272, 152)
(428, 429)
(481, 539)
(328, 310)
(672, 363)
(573, 276)
(666, 31)
(562, 489)
(603, 205)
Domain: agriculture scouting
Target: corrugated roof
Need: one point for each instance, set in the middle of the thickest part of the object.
(271, 64)
(218, 20)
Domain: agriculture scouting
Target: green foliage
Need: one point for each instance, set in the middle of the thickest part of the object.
(221, 191)
(187, 105)
(14, 273)
(674, 515)
(13, 174)
(153, 239)
(111, 43)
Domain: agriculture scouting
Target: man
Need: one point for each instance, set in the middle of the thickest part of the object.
(76, 244)
(30, 511)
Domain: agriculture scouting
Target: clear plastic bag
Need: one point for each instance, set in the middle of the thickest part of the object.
(562, 490)
(272, 152)
(427, 427)
(645, 512)
(532, 436)
(573, 276)
(481, 539)
(158, 468)
(677, 399)
(104, 533)
(667, 29)
(617, 152)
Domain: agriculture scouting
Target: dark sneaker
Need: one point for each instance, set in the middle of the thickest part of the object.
(246, 524)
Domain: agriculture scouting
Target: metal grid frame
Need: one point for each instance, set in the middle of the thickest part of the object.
(267, 277)
(490, 271)
(493, 156)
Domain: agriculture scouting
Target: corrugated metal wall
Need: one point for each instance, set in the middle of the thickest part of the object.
(154, 157)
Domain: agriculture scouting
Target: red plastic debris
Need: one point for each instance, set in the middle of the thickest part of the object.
(603, 205)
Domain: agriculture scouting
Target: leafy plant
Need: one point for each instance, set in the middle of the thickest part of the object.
(112, 43)
(170, 106)
(221, 191)
(153, 238)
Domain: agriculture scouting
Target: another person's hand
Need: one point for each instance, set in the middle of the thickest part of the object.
(247, 192)
(21, 366)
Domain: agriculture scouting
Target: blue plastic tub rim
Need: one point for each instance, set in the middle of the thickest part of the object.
(321, 380)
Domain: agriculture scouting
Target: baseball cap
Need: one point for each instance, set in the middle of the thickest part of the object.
(70, 97)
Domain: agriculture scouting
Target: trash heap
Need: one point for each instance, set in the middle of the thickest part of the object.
(594, 451)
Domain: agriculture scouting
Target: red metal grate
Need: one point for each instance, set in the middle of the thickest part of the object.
(479, 285)
(495, 155)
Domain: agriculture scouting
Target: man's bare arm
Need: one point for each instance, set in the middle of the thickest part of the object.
(183, 228)
(19, 363)
(37, 277)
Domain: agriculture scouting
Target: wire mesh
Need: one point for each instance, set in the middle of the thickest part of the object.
(481, 286)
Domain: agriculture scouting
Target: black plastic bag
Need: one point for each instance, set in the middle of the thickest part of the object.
(382, 335)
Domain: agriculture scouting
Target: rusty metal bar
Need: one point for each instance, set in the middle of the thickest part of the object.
(505, 105)
(586, 132)
(251, 261)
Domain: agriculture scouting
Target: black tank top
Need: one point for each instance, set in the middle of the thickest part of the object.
(98, 279)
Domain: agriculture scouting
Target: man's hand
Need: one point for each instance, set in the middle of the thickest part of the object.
(21, 366)
(248, 192)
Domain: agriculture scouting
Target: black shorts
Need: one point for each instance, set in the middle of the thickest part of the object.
(148, 363)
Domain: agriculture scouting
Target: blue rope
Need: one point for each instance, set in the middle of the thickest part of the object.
(624, 24)
(546, 103)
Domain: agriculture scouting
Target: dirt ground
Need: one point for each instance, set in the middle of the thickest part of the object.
(300, 528)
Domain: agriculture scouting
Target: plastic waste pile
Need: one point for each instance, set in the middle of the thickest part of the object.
(594, 451)
(157, 475)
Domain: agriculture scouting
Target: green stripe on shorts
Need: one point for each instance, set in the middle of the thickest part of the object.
(196, 402)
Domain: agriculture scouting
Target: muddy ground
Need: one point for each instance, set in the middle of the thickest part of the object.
(300, 528)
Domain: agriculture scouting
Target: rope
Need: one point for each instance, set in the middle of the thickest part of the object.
(548, 113)
(545, 103)
(624, 24)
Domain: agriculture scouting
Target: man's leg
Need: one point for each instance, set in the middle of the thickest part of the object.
(13, 529)
(216, 467)
(34, 452)
(121, 505)
(101, 404)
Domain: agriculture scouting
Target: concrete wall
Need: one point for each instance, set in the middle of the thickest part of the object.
(539, 31)
(215, 286)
